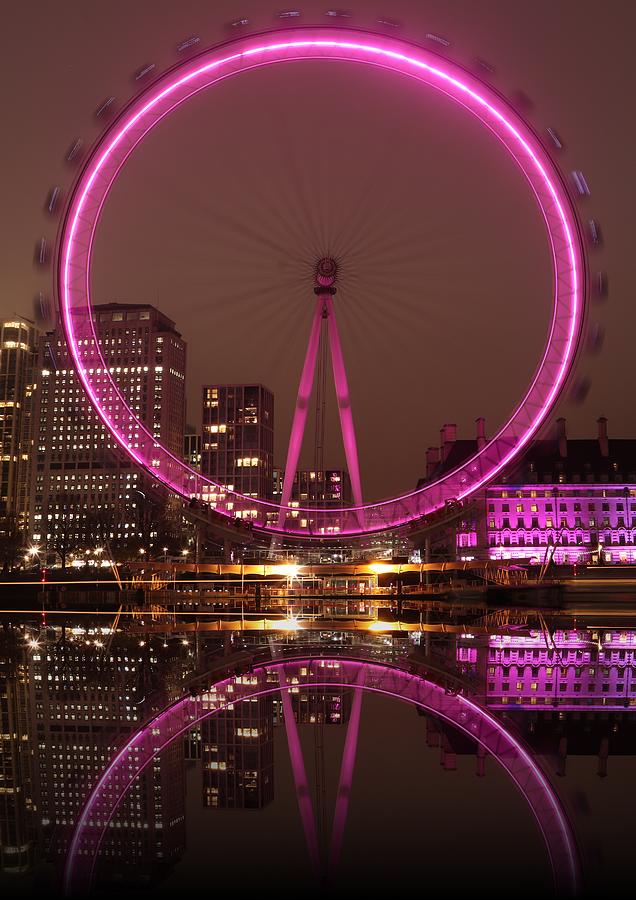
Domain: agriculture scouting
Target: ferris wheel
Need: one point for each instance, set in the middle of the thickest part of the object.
(430, 70)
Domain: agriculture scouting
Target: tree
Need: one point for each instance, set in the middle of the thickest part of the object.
(12, 540)
(64, 534)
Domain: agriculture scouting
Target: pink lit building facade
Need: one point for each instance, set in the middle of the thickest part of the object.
(574, 500)
(574, 670)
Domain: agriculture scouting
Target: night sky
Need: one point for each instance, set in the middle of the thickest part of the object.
(444, 298)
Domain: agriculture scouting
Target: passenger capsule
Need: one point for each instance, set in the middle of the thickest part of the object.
(438, 39)
(595, 337)
(486, 66)
(52, 200)
(144, 71)
(74, 150)
(41, 255)
(595, 233)
(41, 308)
(580, 389)
(104, 108)
(580, 183)
(600, 286)
(188, 43)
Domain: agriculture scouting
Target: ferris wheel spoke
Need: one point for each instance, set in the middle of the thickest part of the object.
(300, 199)
(242, 229)
(368, 238)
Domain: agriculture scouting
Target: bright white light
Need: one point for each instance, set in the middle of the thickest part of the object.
(380, 568)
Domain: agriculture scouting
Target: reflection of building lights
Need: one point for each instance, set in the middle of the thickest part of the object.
(290, 624)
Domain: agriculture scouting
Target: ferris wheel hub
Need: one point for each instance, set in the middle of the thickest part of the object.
(326, 274)
(326, 271)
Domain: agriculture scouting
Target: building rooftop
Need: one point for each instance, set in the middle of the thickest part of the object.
(599, 460)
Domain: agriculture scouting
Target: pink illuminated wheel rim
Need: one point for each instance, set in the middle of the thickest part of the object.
(73, 258)
(319, 672)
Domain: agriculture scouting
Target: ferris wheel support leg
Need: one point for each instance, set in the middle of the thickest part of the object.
(300, 413)
(303, 795)
(346, 778)
(344, 403)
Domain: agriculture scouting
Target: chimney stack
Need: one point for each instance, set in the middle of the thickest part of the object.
(481, 432)
(562, 438)
(448, 436)
(432, 461)
(603, 442)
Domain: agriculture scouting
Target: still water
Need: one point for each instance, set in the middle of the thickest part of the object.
(337, 782)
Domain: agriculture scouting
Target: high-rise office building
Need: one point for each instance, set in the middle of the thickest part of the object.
(237, 448)
(192, 447)
(17, 827)
(237, 752)
(18, 356)
(84, 695)
(326, 489)
(84, 489)
(331, 488)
